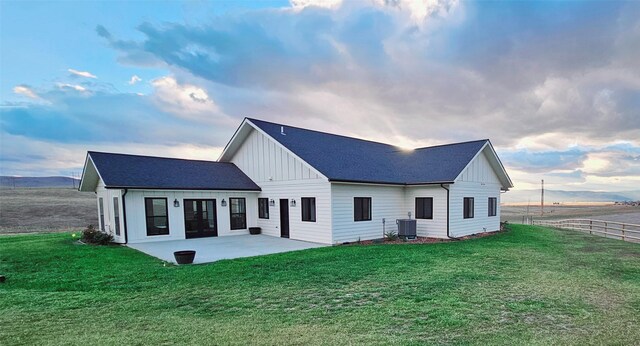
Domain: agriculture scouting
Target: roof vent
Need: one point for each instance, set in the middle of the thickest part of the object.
(282, 131)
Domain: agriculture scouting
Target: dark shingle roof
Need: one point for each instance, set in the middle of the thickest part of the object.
(342, 158)
(133, 171)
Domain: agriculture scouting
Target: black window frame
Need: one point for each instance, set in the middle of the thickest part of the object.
(116, 214)
(308, 206)
(231, 213)
(468, 206)
(101, 213)
(359, 206)
(164, 231)
(263, 208)
(492, 203)
(422, 212)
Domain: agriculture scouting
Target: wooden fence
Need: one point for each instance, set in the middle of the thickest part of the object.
(618, 230)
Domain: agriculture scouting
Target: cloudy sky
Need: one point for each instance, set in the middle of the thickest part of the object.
(554, 85)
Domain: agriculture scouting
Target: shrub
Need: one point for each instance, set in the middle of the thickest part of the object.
(504, 226)
(391, 236)
(93, 236)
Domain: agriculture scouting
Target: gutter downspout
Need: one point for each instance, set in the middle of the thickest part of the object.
(124, 214)
(448, 235)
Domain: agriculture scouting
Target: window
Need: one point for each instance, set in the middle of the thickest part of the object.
(361, 208)
(116, 214)
(238, 212)
(101, 209)
(157, 216)
(309, 209)
(263, 208)
(424, 207)
(493, 206)
(468, 208)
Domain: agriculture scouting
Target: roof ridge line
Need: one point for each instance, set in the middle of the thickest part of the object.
(364, 140)
(326, 133)
(155, 157)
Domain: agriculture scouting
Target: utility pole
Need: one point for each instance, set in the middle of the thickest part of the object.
(542, 199)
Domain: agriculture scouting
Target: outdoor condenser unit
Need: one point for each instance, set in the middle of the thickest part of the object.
(406, 228)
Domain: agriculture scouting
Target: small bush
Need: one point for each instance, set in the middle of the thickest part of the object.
(93, 236)
(391, 236)
(504, 226)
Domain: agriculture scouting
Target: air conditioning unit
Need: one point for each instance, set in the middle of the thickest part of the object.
(406, 228)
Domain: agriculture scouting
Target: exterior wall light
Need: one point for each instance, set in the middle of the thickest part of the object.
(293, 202)
(176, 203)
(272, 203)
(223, 203)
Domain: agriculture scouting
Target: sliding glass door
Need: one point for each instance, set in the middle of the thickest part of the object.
(200, 218)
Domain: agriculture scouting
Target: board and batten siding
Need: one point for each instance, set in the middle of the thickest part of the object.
(136, 215)
(479, 181)
(107, 196)
(436, 227)
(263, 159)
(281, 175)
(387, 202)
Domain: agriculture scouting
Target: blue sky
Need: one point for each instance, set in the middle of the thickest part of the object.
(554, 85)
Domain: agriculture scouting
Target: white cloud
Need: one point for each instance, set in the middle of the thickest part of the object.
(134, 79)
(185, 100)
(81, 73)
(298, 4)
(26, 91)
(418, 10)
(71, 86)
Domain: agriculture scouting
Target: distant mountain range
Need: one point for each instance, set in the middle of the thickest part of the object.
(11, 182)
(562, 196)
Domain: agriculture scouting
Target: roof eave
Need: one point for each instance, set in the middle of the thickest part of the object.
(113, 187)
(388, 183)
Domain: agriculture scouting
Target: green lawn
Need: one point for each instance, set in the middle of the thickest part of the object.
(528, 285)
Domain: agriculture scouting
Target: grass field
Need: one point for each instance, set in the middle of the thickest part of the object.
(41, 209)
(525, 286)
(608, 212)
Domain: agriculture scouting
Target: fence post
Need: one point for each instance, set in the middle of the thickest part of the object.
(605, 230)
(623, 236)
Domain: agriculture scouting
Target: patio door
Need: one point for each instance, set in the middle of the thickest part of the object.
(200, 218)
(284, 218)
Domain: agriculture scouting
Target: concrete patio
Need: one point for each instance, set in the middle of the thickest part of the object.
(228, 247)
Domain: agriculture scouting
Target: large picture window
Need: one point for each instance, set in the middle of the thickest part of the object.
(157, 216)
(263, 208)
(493, 206)
(424, 207)
(116, 214)
(238, 213)
(468, 208)
(101, 211)
(361, 208)
(309, 209)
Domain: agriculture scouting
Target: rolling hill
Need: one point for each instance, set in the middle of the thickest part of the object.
(56, 182)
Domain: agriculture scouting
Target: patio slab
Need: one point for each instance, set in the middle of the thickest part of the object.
(227, 247)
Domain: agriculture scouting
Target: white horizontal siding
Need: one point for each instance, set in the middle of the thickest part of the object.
(436, 227)
(319, 231)
(481, 222)
(136, 216)
(387, 202)
(263, 160)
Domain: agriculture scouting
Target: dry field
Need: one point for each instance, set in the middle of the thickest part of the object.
(41, 209)
(596, 211)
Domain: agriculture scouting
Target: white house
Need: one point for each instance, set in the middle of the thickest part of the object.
(300, 184)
